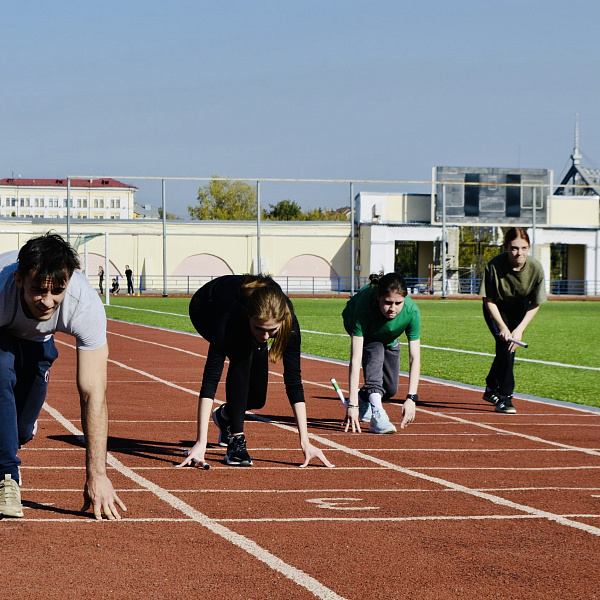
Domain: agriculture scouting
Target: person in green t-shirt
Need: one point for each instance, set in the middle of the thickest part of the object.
(374, 318)
(512, 288)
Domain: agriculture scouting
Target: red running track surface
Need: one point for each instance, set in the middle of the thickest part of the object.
(464, 503)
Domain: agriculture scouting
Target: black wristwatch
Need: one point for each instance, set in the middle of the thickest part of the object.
(412, 397)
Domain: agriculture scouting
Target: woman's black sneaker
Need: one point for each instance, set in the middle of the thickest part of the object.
(491, 396)
(505, 406)
(223, 425)
(236, 452)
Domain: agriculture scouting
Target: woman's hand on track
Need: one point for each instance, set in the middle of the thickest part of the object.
(409, 410)
(194, 456)
(310, 452)
(351, 418)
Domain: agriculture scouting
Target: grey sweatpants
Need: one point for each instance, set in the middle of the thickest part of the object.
(381, 369)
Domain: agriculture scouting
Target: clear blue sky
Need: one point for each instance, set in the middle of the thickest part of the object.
(295, 89)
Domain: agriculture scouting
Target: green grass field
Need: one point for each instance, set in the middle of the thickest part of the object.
(564, 332)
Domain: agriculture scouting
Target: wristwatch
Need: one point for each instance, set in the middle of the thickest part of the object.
(412, 397)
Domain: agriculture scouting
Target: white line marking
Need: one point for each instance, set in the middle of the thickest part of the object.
(395, 519)
(296, 575)
(339, 504)
(311, 519)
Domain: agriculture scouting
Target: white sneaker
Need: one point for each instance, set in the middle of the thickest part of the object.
(10, 498)
(364, 411)
(380, 423)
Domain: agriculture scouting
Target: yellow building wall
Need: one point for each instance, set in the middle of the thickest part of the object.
(569, 211)
(139, 244)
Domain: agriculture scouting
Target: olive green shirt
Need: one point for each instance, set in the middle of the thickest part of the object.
(363, 318)
(502, 284)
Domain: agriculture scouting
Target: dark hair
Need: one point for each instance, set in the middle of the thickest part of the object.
(265, 300)
(389, 284)
(48, 256)
(513, 233)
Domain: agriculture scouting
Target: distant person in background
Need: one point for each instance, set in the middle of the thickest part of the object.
(101, 280)
(114, 290)
(374, 318)
(238, 315)
(129, 275)
(512, 288)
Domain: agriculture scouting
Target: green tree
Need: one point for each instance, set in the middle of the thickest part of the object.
(170, 216)
(285, 210)
(223, 199)
(478, 245)
(320, 214)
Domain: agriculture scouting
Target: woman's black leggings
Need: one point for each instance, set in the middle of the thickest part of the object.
(501, 376)
(246, 385)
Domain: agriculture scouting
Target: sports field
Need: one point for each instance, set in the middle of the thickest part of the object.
(562, 361)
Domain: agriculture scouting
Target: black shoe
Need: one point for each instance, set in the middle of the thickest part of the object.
(223, 425)
(237, 453)
(505, 406)
(491, 396)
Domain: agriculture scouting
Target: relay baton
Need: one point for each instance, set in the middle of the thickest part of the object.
(336, 387)
(198, 463)
(518, 343)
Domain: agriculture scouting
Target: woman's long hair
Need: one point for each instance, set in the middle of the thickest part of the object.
(265, 300)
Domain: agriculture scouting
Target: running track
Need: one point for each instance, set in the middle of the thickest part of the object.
(465, 503)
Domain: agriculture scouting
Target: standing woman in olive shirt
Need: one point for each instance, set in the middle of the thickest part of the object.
(374, 318)
(512, 288)
(238, 315)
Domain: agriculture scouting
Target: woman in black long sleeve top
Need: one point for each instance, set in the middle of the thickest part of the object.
(237, 315)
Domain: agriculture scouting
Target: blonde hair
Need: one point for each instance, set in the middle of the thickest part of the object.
(265, 300)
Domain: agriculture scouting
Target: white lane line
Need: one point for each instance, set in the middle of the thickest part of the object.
(330, 443)
(530, 438)
(397, 519)
(361, 468)
(314, 520)
(154, 445)
(296, 575)
(327, 490)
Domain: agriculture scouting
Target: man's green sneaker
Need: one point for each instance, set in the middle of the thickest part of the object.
(10, 498)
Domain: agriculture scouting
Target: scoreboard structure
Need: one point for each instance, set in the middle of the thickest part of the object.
(492, 195)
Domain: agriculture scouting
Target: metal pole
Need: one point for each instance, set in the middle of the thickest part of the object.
(443, 240)
(352, 259)
(106, 271)
(68, 210)
(85, 262)
(164, 236)
(533, 223)
(259, 258)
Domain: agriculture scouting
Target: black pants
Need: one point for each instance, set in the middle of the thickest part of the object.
(501, 376)
(246, 385)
